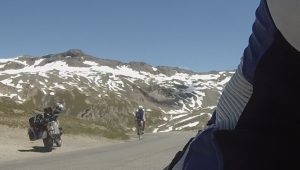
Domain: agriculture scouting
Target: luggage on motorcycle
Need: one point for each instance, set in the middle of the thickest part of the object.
(36, 119)
(32, 134)
(31, 121)
(35, 134)
(35, 122)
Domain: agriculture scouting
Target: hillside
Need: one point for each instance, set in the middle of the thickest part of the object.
(100, 95)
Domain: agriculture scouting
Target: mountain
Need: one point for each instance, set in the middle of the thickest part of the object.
(108, 92)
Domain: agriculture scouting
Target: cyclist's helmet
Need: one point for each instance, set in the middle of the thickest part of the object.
(141, 107)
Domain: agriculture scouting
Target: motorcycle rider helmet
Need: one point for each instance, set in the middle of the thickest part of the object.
(59, 107)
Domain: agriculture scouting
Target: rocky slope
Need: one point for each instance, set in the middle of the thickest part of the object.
(109, 91)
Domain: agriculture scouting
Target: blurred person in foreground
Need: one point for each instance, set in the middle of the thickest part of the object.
(256, 124)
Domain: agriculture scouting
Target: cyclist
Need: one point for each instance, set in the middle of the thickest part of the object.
(140, 117)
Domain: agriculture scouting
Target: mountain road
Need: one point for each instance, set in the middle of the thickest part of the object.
(154, 152)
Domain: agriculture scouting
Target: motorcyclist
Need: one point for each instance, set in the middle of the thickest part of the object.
(58, 107)
(140, 116)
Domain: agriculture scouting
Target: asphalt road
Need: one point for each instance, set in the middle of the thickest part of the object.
(153, 152)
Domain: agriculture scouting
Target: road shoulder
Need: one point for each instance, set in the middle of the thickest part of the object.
(15, 144)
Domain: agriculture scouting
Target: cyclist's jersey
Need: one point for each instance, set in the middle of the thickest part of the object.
(140, 114)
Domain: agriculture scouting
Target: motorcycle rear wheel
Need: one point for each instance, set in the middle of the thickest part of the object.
(48, 143)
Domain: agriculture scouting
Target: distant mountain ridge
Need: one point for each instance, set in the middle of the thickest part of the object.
(106, 90)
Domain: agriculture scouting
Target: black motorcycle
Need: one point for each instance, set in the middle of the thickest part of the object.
(46, 126)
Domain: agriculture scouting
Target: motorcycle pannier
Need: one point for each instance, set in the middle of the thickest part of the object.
(32, 135)
(31, 121)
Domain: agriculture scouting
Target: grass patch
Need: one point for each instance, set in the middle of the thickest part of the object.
(69, 124)
(77, 126)
(14, 120)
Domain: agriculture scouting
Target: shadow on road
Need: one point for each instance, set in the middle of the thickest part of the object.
(40, 149)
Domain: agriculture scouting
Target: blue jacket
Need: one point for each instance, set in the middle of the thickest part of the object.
(256, 124)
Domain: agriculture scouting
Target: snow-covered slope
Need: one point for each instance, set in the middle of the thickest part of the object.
(99, 89)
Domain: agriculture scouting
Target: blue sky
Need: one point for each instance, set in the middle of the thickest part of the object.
(193, 34)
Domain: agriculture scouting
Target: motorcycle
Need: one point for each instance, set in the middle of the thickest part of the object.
(45, 126)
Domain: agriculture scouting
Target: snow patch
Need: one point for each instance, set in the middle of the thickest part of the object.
(167, 130)
(188, 125)
(91, 63)
(37, 62)
(155, 130)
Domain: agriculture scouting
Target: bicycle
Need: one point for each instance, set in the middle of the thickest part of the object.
(139, 130)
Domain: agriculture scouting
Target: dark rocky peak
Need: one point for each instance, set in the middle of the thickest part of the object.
(141, 66)
(76, 58)
(169, 71)
(74, 53)
(70, 54)
(73, 57)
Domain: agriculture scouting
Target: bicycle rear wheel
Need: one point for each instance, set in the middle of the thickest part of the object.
(139, 130)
